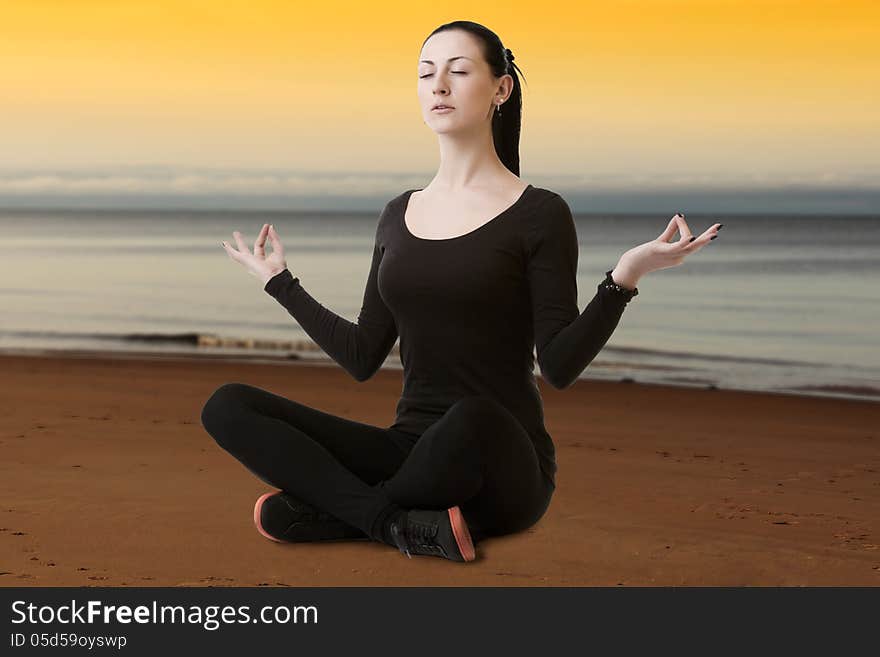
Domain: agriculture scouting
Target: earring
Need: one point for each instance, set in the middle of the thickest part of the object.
(499, 109)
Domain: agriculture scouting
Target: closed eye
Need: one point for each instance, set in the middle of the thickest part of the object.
(422, 77)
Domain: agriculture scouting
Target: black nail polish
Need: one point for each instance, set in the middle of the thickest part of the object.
(713, 237)
(692, 239)
(720, 226)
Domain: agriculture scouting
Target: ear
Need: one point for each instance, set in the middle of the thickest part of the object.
(506, 86)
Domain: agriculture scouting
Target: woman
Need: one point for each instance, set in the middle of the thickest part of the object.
(471, 273)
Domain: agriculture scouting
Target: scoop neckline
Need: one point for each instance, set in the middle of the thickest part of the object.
(479, 228)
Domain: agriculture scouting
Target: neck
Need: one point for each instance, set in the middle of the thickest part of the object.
(468, 161)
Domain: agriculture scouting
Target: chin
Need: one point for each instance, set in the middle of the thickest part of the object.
(443, 126)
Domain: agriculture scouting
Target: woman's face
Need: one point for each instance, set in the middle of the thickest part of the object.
(466, 83)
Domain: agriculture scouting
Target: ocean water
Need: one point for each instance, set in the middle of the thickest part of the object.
(776, 303)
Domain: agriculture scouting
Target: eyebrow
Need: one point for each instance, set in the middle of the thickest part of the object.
(451, 59)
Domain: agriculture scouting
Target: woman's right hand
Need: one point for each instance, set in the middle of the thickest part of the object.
(258, 263)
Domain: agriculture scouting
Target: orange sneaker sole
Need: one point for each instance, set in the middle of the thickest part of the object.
(462, 534)
(257, 508)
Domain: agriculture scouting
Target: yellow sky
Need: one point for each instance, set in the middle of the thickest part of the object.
(738, 87)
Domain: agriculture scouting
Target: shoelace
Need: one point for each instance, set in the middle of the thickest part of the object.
(418, 537)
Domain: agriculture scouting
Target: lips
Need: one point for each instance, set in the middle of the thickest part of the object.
(441, 106)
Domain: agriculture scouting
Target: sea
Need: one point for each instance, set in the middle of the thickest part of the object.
(778, 303)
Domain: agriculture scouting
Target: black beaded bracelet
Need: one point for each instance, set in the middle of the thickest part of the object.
(610, 285)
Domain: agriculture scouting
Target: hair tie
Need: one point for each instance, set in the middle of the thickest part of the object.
(509, 54)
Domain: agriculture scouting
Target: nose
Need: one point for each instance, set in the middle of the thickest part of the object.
(440, 85)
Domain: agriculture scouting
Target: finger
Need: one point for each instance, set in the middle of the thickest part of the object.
(701, 241)
(683, 228)
(260, 242)
(276, 241)
(668, 232)
(232, 253)
(671, 227)
(242, 247)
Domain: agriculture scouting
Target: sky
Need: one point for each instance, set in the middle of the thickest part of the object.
(264, 99)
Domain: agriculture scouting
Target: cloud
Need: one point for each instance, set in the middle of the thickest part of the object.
(167, 181)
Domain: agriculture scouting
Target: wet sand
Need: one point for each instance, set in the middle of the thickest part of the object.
(109, 479)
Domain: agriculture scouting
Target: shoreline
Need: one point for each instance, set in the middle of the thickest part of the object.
(317, 357)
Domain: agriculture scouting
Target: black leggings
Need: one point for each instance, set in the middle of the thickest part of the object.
(476, 456)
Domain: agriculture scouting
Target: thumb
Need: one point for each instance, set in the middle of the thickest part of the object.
(276, 241)
(667, 234)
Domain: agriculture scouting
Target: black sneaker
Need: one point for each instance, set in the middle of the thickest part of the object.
(281, 517)
(435, 533)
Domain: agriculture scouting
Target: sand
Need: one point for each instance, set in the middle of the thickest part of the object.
(109, 479)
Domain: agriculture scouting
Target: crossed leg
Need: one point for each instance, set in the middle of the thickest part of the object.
(476, 456)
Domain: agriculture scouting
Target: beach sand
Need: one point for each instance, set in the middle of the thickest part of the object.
(109, 479)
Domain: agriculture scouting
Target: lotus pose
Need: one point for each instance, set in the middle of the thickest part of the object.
(475, 274)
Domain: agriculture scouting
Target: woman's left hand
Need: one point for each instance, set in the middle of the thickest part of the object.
(661, 253)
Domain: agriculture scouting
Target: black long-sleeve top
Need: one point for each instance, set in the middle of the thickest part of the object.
(470, 311)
